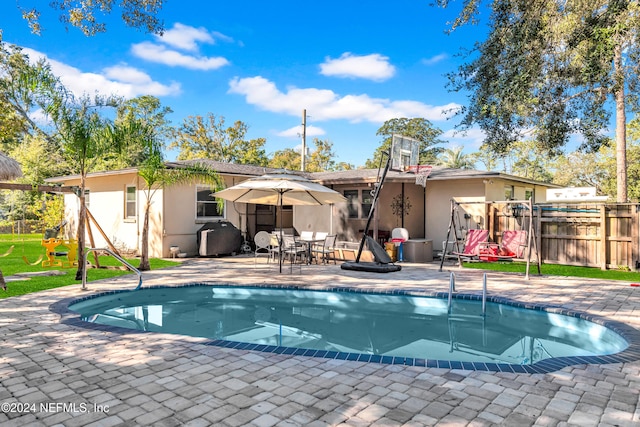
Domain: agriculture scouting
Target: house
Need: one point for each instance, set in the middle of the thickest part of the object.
(116, 200)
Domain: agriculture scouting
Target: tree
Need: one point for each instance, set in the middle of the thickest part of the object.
(344, 166)
(319, 160)
(11, 126)
(286, 159)
(144, 111)
(550, 69)
(488, 158)
(599, 170)
(207, 138)
(85, 15)
(585, 169)
(24, 89)
(39, 158)
(455, 158)
(528, 160)
(85, 138)
(138, 131)
(420, 129)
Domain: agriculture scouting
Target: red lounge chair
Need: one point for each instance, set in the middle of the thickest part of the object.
(515, 242)
(513, 245)
(472, 244)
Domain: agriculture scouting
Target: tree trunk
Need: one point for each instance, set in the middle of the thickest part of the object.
(82, 215)
(621, 127)
(3, 284)
(144, 250)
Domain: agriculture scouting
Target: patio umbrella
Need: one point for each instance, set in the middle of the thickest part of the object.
(9, 168)
(281, 189)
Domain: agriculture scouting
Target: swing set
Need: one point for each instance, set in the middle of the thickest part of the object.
(516, 241)
(51, 242)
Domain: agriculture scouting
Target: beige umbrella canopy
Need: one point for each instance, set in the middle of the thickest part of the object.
(281, 189)
(9, 168)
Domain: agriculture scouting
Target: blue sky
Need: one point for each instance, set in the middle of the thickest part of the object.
(351, 65)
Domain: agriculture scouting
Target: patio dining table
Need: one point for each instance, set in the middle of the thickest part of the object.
(308, 243)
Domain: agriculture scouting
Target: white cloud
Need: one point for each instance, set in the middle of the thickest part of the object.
(296, 131)
(186, 37)
(160, 54)
(471, 138)
(326, 104)
(435, 59)
(182, 38)
(219, 36)
(372, 67)
(119, 80)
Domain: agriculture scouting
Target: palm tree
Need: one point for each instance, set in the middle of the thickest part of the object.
(84, 140)
(157, 175)
(454, 158)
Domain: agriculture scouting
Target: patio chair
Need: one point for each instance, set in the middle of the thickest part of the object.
(472, 244)
(262, 239)
(306, 235)
(325, 250)
(275, 246)
(320, 235)
(293, 249)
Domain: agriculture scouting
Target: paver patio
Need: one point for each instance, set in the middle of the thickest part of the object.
(55, 373)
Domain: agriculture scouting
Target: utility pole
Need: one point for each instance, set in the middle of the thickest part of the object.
(304, 140)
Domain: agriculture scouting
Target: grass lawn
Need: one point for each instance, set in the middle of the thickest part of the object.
(556, 270)
(30, 247)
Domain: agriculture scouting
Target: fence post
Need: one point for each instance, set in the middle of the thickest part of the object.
(603, 237)
(635, 237)
(537, 218)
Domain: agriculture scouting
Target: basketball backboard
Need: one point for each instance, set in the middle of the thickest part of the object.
(405, 152)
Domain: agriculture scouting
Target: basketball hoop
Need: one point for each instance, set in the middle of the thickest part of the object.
(422, 173)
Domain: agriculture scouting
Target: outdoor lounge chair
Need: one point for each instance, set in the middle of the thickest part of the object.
(514, 242)
(472, 244)
(512, 246)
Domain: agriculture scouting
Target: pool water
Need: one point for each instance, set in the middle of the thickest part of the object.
(356, 323)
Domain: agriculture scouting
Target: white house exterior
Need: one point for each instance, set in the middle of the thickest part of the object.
(116, 199)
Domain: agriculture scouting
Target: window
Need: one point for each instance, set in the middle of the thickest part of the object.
(206, 204)
(87, 193)
(367, 199)
(528, 194)
(353, 202)
(508, 192)
(358, 203)
(130, 203)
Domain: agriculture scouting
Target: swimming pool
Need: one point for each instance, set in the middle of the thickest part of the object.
(373, 327)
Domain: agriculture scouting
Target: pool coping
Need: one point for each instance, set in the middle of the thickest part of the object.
(629, 333)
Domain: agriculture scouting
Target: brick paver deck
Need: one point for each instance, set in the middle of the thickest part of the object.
(55, 373)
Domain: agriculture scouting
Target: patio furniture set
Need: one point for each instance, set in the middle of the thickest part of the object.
(309, 246)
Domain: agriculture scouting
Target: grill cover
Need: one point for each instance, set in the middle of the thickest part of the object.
(218, 238)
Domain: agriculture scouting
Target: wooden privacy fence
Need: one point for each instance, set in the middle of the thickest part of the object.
(590, 235)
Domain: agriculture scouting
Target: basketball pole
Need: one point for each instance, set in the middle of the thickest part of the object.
(373, 205)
